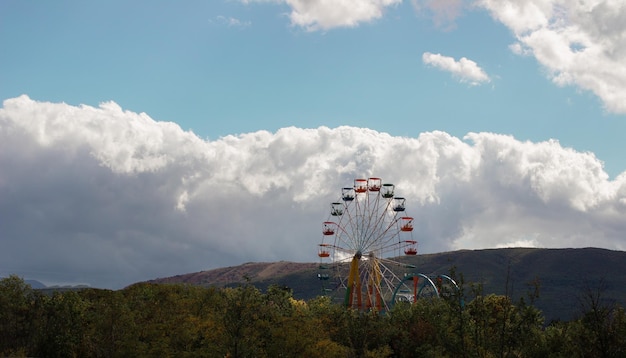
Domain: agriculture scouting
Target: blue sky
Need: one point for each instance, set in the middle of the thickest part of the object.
(121, 118)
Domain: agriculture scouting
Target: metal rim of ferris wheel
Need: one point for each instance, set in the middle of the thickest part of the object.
(366, 230)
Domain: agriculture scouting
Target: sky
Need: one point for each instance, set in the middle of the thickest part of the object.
(147, 139)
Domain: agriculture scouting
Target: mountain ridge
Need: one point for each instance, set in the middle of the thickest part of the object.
(564, 275)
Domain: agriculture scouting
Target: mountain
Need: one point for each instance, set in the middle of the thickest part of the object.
(35, 284)
(566, 277)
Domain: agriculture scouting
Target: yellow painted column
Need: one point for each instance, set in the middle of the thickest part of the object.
(353, 278)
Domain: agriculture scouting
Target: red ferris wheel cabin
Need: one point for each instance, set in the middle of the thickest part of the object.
(324, 250)
(411, 249)
(373, 184)
(365, 185)
(360, 185)
(406, 223)
(328, 228)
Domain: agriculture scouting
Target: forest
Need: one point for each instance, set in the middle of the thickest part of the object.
(177, 320)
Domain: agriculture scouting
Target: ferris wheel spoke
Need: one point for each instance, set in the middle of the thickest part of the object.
(345, 238)
(385, 239)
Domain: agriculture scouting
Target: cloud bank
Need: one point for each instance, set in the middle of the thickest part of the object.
(109, 197)
(464, 69)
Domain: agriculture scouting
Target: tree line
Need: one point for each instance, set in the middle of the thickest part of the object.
(175, 320)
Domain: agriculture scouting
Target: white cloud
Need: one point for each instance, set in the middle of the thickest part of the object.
(230, 21)
(316, 15)
(110, 197)
(581, 43)
(464, 69)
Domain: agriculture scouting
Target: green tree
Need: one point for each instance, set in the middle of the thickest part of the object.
(365, 332)
(244, 322)
(425, 328)
(163, 319)
(294, 331)
(18, 313)
(109, 330)
(61, 325)
(601, 329)
(491, 324)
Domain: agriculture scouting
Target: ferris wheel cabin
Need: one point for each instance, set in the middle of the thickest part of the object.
(336, 209)
(323, 276)
(347, 194)
(360, 185)
(324, 250)
(411, 248)
(398, 204)
(406, 223)
(386, 191)
(373, 184)
(328, 228)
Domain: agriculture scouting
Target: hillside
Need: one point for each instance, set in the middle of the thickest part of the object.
(564, 275)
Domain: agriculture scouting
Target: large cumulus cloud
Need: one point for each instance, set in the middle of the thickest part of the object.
(110, 197)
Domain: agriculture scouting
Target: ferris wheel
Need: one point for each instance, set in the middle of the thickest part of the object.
(366, 230)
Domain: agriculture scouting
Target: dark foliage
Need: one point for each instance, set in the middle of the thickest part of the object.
(192, 321)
